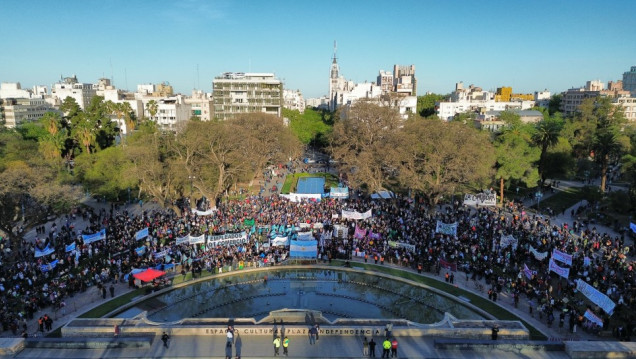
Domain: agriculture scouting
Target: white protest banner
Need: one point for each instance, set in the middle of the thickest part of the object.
(595, 296)
(562, 257)
(446, 228)
(538, 255)
(90, 238)
(563, 272)
(204, 213)
(356, 215)
(196, 240)
(161, 254)
(183, 240)
(141, 234)
(280, 241)
(593, 318)
(226, 239)
(480, 199)
(508, 241)
(407, 246)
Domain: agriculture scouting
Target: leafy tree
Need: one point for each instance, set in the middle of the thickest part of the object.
(439, 158)
(554, 105)
(104, 172)
(516, 155)
(426, 104)
(309, 127)
(547, 135)
(152, 107)
(69, 107)
(363, 142)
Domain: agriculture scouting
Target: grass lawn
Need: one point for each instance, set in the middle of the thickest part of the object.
(113, 304)
(564, 199)
(291, 181)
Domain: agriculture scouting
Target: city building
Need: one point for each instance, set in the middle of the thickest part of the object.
(172, 112)
(629, 81)
(542, 98)
(69, 87)
(404, 80)
(490, 120)
(318, 102)
(238, 93)
(14, 90)
(201, 103)
(293, 100)
(505, 94)
(22, 110)
(385, 81)
(574, 97)
(628, 105)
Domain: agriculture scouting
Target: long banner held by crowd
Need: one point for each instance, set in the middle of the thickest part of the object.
(480, 199)
(279, 241)
(226, 239)
(90, 238)
(538, 255)
(446, 228)
(43, 252)
(562, 257)
(141, 234)
(359, 233)
(394, 244)
(563, 272)
(593, 318)
(356, 215)
(528, 272)
(595, 296)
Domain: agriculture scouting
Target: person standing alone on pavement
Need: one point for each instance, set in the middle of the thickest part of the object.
(276, 346)
(165, 337)
(365, 347)
(372, 348)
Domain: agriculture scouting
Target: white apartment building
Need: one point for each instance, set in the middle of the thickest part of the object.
(293, 100)
(542, 98)
(14, 90)
(318, 102)
(172, 112)
(22, 110)
(70, 87)
(238, 93)
(202, 105)
(628, 104)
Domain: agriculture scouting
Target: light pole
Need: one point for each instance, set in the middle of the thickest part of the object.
(538, 195)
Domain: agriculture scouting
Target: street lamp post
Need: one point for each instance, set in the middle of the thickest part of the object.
(538, 195)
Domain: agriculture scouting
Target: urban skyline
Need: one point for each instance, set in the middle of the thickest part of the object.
(531, 47)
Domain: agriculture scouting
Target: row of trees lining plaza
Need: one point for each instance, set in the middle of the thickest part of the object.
(46, 167)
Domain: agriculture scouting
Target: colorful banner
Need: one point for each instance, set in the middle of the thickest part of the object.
(356, 215)
(446, 228)
(44, 252)
(374, 235)
(480, 199)
(303, 249)
(48, 267)
(71, 247)
(90, 238)
(448, 265)
(528, 272)
(509, 241)
(563, 272)
(562, 257)
(359, 233)
(248, 222)
(538, 255)
(593, 318)
(595, 296)
(141, 234)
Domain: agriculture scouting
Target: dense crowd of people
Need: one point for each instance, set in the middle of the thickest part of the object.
(400, 231)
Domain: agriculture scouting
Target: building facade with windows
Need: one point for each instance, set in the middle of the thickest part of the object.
(629, 81)
(237, 93)
(23, 110)
(70, 87)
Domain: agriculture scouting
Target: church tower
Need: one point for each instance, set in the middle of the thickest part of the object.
(334, 79)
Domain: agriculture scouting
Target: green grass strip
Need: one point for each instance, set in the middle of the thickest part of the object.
(102, 310)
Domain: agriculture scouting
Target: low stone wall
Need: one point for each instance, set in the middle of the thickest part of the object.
(506, 345)
(11, 346)
(597, 349)
(90, 343)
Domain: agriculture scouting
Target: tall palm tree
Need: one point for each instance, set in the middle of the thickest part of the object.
(607, 145)
(547, 135)
(152, 107)
(84, 133)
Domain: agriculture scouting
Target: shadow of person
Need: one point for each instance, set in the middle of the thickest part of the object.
(238, 344)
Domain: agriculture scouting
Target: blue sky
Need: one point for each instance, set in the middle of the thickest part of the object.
(529, 45)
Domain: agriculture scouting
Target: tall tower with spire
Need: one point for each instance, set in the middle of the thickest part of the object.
(334, 80)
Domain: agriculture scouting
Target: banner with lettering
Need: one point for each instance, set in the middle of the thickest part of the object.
(196, 240)
(538, 255)
(359, 233)
(562, 257)
(161, 254)
(595, 296)
(509, 241)
(528, 272)
(563, 272)
(446, 228)
(71, 247)
(183, 240)
(90, 238)
(227, 239)
(480, 199)
(593, 318)
(141, 234)
(43, 252)
(356, 215)
(408, 246)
